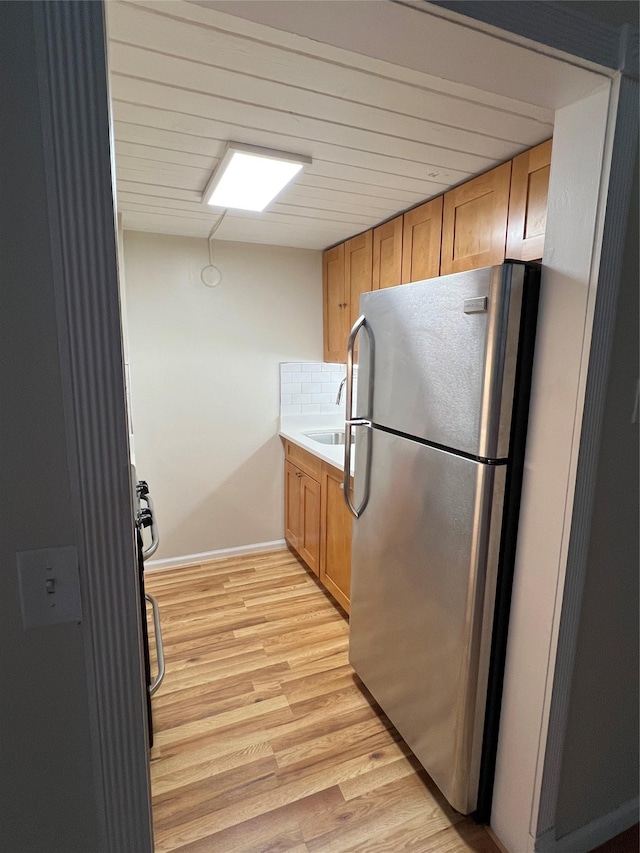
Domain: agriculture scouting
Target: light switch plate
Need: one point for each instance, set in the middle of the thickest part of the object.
(49, 586)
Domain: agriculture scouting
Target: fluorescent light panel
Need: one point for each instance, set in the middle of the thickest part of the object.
(248, 178)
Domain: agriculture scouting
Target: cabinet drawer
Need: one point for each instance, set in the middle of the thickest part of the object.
(336, 473)
(304, 460)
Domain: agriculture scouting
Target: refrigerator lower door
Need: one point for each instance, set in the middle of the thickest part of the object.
(424, 564)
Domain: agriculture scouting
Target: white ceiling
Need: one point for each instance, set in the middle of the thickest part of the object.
(384, 134)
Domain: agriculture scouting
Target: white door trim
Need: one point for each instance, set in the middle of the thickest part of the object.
(614, 224)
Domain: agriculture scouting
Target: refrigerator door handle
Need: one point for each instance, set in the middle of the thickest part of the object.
(350, 421)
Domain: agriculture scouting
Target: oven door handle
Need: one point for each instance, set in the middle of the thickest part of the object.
(155, 536)
(159, 646)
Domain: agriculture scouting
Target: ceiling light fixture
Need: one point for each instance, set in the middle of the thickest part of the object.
(248, 177)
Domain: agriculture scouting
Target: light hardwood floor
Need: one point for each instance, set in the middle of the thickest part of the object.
(267, 741)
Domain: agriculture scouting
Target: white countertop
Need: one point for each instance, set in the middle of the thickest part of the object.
(294, 427)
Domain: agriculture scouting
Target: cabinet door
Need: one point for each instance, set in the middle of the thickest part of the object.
(528, 203)
(422, 235)
(358, 258)
(335, 562)
(292, 490)
(474, 226)
(335, 304)
(387, 254)
(309, 539)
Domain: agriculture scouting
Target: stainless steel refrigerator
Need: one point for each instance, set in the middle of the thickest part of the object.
(440, 426)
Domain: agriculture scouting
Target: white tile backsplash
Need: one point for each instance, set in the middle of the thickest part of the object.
(310, 388)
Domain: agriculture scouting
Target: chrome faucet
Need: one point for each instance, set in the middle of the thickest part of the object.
(340, 387)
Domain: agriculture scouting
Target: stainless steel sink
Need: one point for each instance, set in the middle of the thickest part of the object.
(333, 436)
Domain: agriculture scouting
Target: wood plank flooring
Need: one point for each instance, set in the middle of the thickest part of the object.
(267, 741)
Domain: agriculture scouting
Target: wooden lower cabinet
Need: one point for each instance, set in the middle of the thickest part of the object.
(302, 515)
(316, 520)
(335, 537)
(292, 477)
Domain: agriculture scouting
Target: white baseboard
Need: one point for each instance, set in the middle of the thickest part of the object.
(209, 556)
(593, 834)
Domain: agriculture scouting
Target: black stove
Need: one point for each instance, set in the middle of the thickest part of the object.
(144, 519)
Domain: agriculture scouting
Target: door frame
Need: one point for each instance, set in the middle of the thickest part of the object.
(78, 153)
(75, 110)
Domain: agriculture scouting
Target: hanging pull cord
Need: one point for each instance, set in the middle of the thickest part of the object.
(211, 275)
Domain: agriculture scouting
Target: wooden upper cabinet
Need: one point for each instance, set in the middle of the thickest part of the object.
(387, 254)
(422, 234)
(528, 203)
(474, 225)
(358, 259)
(335, 304)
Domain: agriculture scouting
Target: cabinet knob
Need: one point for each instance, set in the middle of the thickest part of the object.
(298, 473)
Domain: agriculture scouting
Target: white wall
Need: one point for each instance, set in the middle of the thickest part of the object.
(204, 382)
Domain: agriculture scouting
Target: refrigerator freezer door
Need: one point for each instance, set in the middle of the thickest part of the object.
(424, 566)
(444, 359)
